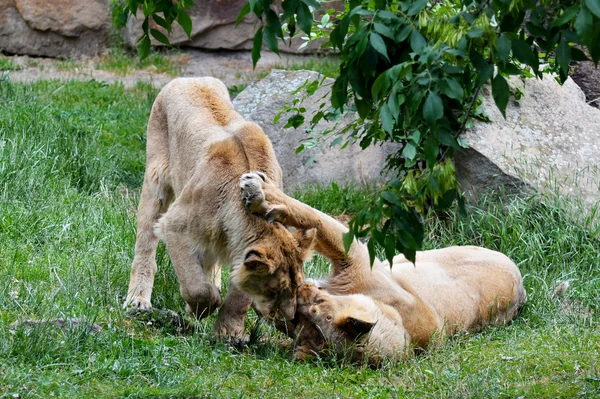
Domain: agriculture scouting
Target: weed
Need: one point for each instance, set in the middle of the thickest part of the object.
(7, 64)
(122, 62)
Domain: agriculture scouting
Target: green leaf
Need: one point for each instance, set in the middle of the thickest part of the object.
(454, 89)
(566, 16)
(243, 12)
(475, 33)
(378, 44)
(144, 47)
(433, 109)
(431, 150)
(387, 119)
(380, 86)
(503, 48)
(338, 140)
(313, 3)
(384, 30)
(371, 248)
(147, 8)
(523, 52)
(255, 6)
(563, 55)
(158, 35)
(289, 10)
(484, 75)
(417, 7)
(391, 197)
(403, 33)
(300, 149)
(257, 46)
(186, 22)
(594, 6)
(271, 40)
(500, 92)
(583, 25)
(417, 41)
(294, 121)
(160, 21)
(410, 254)
(409, 151)
(305, 18)
(390, 249)
(347, 238)
(273, 24)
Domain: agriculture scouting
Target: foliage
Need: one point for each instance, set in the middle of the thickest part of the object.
(411, 73)
(162, 12)
(71, 167)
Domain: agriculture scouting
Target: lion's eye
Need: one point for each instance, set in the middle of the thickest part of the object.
(319, 301)
(329, 318)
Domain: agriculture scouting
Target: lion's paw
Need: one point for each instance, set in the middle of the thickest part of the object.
(252, 192)
(137, 302)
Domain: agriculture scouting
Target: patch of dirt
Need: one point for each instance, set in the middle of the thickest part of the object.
(232, 67)
(587, 76)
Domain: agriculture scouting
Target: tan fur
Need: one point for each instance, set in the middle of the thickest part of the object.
(381, 312)
(198, 146)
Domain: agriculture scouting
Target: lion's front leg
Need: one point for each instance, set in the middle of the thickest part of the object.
(264, 198)
(231, 317)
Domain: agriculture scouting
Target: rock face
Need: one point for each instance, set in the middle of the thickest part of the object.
(260, 103)
(213, 23)
(54, 28)
(550, 140)
(213, 28)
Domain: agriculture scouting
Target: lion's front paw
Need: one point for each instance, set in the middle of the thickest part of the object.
(252, 192)
(258, 194)
(137, 302)
(229, 329)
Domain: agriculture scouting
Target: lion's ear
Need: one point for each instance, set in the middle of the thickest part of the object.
(306, 241)
(256, 262)
(355, 327)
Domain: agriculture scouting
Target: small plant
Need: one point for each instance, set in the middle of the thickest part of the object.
(120, 61)
(68, 64)
(7, 64)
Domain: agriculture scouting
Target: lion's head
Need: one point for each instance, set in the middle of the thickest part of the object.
(342, 320)
(272, 269)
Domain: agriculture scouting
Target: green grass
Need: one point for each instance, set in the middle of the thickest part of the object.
(124, 63)
(326, 65)
(7, 64)
(67, 64)
(71, 165)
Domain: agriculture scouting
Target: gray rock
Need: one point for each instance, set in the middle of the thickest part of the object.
(260, 103)
(57, 28)
(549, 141)
(213, 28)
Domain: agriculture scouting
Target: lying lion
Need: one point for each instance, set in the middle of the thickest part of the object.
(198, 146)
(381, 312)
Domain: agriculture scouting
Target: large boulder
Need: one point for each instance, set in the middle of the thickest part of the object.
(54, 28)
(213, 23)
(549, 141)
(260, 103)
(213, 28)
